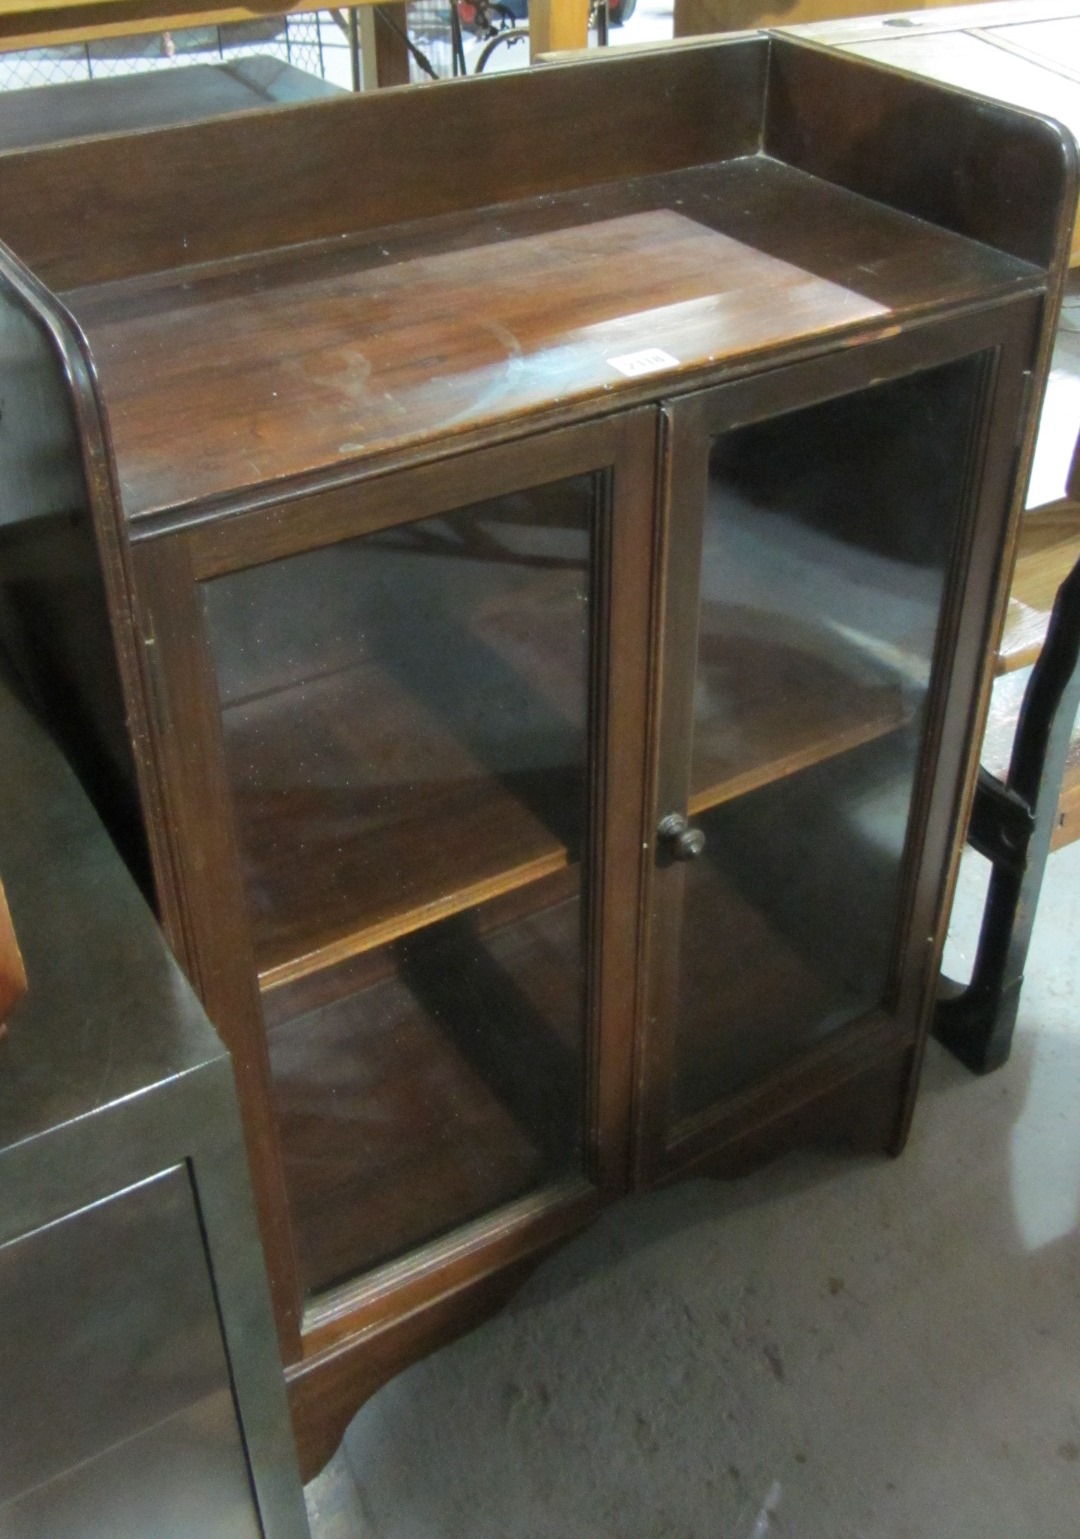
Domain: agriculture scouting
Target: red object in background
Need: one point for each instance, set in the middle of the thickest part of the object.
(12, 972)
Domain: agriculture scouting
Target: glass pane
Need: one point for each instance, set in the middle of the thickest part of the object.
(405, 722)
(827, 536)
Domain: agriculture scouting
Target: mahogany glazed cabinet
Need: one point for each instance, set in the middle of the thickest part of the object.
(521, 554)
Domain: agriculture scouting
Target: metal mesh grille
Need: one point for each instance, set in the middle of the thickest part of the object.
(316, 42)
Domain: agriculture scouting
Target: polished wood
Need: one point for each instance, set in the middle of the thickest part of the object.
(12, 968)
(435, 322)
(794, 709)
(807, 470)
(815, 108)
(1026, 52)
(466, 778)
(112, 209)
(456, 1087)
(696, 294)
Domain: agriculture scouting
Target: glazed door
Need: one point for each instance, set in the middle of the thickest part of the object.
(812, 716)
(419, 761)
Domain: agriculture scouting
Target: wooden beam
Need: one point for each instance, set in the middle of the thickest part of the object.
(555, 25)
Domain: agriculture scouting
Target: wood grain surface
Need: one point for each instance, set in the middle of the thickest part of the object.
(274, 369)
(284, 374)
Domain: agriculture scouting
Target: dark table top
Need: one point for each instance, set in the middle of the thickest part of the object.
(108, 1013)
(82, 108)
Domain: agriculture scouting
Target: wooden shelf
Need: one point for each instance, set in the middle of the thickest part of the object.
(436, 1093)
(740, 972)
(422, 750)
(787, 920)
(771, 707)
(384, 848)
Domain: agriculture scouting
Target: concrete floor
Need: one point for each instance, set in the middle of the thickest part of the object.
(832, 1349)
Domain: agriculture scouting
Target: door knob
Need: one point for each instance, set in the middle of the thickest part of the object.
(682, 841)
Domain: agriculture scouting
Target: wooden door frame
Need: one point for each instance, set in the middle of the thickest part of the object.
(168, 568)
(1008, 335)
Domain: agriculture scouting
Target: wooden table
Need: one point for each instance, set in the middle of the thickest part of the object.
(694, 18)
(553, 25)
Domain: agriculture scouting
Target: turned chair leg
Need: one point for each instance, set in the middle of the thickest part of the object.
(1012, 824)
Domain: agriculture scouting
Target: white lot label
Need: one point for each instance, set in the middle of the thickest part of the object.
(646, 362)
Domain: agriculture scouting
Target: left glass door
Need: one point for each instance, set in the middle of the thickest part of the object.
(393, 841)
(406, 727)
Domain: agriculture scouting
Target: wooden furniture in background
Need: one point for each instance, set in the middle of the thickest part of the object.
(531, 592)
(695, 18)
(142, 1389)
(24, 24)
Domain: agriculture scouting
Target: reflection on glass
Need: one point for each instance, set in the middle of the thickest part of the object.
(405, 723)
(827, 536)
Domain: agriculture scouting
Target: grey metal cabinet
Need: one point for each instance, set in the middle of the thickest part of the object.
(141, 1391)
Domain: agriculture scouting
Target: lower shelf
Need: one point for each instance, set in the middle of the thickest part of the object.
(747, 1000)
(787, 920)
(443, 1089)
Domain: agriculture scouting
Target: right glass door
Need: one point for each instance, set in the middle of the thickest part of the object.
(810, 543)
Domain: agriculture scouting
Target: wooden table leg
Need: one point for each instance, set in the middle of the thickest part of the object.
(557, 24)
(384, 58)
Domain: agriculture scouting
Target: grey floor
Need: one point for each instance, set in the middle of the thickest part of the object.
(831, 1349)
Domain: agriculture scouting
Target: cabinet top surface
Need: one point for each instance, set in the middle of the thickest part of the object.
(241, 376)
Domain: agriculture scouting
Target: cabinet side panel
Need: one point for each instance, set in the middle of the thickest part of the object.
(969, 165)
(54, 625)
